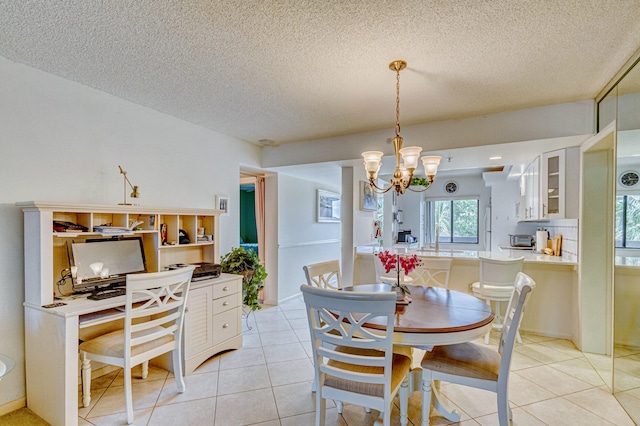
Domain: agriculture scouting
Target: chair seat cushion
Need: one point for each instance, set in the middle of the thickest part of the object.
(494, 292)
(112, 344)
(464, 359)
(401, 365)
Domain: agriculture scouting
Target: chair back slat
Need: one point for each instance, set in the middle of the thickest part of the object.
(163, 297)
(433, 272)
(324, 274)
(499, 272)
(523, 286)
(343, 348)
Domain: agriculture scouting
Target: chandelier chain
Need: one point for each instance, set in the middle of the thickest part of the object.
(397, 102)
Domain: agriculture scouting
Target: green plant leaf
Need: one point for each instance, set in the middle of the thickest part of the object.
(419, 181)
(246, 263)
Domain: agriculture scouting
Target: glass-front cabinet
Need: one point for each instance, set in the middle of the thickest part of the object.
(552, 185)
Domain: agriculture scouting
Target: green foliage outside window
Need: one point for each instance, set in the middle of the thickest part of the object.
(628, 221)
(456, 221)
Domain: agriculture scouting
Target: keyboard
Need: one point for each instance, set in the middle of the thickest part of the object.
(107, 294)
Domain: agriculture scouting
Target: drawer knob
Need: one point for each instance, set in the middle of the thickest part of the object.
(225, 288)
(225, 303)
(226, 325)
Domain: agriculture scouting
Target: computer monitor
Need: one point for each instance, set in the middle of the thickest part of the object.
(105, 262)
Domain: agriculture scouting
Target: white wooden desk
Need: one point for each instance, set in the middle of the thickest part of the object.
(52, 336)
(51, 345)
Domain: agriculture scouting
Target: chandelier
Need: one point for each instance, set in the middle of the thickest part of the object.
(403, 174)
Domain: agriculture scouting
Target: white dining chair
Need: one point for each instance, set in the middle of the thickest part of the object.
(432, 272)
(391, 277)
(354, 363)
(478, 366)
(324, 274)
(154, 310)
(496, 285)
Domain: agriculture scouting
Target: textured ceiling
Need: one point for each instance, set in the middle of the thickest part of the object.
(296, 70)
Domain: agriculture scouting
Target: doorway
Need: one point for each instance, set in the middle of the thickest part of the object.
(252, 216)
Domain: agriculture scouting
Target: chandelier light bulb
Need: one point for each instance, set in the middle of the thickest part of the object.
(372, 162)
(410, 156)
(431, 165)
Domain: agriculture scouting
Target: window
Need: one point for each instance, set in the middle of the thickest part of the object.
(456, 221)
(628, 221)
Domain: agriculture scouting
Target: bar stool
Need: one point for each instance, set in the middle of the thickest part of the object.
(496, 284)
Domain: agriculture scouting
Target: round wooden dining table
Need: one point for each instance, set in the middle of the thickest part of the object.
(433, 316)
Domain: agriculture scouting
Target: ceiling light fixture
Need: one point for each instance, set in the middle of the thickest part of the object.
(497, 157)
(403, 173)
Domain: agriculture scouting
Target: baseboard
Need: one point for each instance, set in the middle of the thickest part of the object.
(13, 406)
(546, 333)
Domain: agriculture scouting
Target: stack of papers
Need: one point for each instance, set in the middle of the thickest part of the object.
(113, 230)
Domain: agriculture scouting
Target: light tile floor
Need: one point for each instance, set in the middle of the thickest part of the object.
(268, 382)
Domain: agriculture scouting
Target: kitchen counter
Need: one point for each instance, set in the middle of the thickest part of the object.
(630, 261)
(552, 309)
(505, 253)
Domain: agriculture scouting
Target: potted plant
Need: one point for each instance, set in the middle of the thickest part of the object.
(247, 263)
(407, 263)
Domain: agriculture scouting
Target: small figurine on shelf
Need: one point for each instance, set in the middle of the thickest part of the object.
(163, 233)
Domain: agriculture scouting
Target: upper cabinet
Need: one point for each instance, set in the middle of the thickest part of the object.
(552, 188)
(549, 186)
(529, 191)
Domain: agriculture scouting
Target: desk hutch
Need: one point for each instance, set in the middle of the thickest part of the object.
(213, 319)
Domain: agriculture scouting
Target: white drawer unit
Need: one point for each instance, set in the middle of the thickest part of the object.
(213, 321)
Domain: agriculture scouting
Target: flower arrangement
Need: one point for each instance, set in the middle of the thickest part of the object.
(407, 262)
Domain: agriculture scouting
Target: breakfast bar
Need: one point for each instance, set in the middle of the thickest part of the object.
(551, 311)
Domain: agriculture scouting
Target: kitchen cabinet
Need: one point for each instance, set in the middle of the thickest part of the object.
(544, 183)
(529, 192)
(559, 171)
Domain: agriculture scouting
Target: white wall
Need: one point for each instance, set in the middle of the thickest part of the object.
(301, 239)
(547, 122)
(409, 203)
(357, 225)
(61, 141)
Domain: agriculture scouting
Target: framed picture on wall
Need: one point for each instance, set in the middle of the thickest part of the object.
(222, 203)
(368, 198)
(328, 207)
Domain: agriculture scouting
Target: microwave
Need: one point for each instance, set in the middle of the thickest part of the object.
(521, 240)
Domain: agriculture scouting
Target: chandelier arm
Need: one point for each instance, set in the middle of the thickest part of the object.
(424, 188)
(379, 190)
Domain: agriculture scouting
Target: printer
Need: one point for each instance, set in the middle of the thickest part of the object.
(203, 271)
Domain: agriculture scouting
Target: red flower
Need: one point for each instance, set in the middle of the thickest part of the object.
(407, 263)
